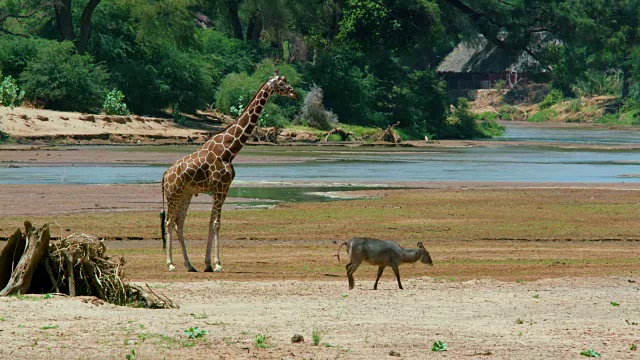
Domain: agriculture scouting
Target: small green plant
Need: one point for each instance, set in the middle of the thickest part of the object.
(344, 295)
(131, 355)
(316, 336)
(261, 341)
(613, 303)
(590, 353)
(633, 347)
(10, 94)
(535, 296)
(195, 332)
(114, 103)
(177, 115)
(4, 137)
(552, 98)
(237, 110)
(439, 346)
(47, 296)
(2, 318)
(48, 327)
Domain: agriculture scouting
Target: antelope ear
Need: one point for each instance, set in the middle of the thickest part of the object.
(419, 244)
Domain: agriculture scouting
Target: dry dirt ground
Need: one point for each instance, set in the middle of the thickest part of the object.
(520, 272)
(553, 318)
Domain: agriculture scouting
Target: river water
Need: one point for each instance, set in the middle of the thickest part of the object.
(346, 165)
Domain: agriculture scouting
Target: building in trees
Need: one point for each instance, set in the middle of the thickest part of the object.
(479, 64)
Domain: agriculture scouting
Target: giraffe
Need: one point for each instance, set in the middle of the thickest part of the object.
(209, 170)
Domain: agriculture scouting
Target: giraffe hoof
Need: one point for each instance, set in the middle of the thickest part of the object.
(218, 268)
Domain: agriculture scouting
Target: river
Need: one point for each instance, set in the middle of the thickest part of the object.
(353, 165)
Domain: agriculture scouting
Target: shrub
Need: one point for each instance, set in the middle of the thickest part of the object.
(17, 52)
(63, 79)
(114, 103)
(349, 90)
(543, 115)
(552, 98)
(420, 105)
(227, 54)
(235, 87)
(314, 113)
(598, 83)
(10, 93)
(184, 78)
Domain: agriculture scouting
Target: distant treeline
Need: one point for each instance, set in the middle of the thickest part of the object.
(374, 61)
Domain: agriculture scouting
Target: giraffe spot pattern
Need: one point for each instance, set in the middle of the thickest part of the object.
(209, 168)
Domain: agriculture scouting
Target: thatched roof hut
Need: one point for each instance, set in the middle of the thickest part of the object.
(478, 64)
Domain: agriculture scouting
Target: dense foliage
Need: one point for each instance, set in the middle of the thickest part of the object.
(364, 63)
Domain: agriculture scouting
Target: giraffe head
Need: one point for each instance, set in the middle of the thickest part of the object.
(280, 86)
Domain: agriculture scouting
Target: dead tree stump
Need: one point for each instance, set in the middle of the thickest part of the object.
(387, 135)
(35, 244)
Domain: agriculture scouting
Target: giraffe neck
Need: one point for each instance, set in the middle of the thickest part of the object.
(237, 134)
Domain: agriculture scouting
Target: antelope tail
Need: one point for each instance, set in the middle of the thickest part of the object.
(346, 243)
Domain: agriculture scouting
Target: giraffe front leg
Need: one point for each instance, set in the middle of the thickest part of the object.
(214, 228)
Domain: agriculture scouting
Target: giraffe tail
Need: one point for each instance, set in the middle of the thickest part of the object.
(163, 229)
(163, 216)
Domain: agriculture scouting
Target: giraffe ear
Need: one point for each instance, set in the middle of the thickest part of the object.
(276, 73)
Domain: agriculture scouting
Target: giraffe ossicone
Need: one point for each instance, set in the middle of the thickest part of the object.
(209, 170)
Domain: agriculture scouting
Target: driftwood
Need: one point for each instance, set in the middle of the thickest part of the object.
(76, 265)
(36, 246)
(387, 135)
(344, 135)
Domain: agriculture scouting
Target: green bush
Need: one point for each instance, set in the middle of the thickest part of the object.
(543, 115)
(185, 79)
(17, 52)
(63, 79)
(10, 94)
(463, 124)
(595, 83)
(489, 129)
(114, 103)
(228, 55)
(235, 87)
(552, 98)
(421, 104)
(350, 90)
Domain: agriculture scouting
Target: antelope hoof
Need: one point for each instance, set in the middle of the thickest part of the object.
(192, 269)
(171, 267)
(218, 268)
(208, 269)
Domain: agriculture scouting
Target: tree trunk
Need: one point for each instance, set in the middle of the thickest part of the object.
(85, 25)
(234, 19)
(64, 21)
(37, 244)
(254, 28)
